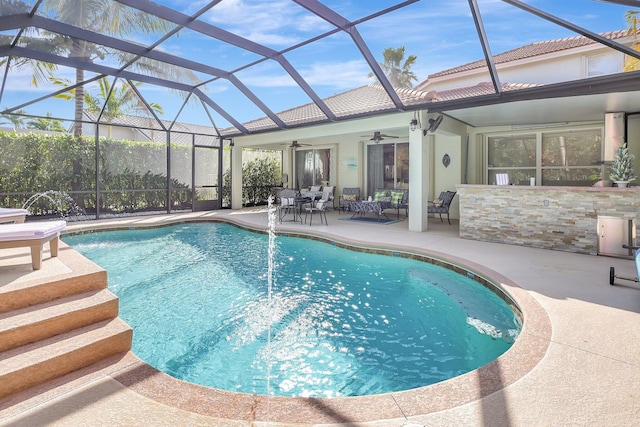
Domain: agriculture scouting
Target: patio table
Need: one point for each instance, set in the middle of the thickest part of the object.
(361, 207)
(296, 211)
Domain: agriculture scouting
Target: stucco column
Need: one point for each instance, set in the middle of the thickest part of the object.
(236, 177)
(420, 161)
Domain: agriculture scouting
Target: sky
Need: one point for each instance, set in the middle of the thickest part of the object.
(440, 33)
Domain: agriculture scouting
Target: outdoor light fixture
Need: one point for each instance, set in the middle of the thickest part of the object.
(415, 123)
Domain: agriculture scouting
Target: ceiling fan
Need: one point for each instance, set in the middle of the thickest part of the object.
(296, 144)
(377, 136)
(433, 124)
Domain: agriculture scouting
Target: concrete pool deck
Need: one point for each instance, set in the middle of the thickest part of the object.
(583, 369)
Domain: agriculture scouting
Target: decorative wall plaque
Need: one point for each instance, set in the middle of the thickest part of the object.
(446, 160)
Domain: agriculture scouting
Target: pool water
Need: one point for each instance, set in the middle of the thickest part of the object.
(341, 322)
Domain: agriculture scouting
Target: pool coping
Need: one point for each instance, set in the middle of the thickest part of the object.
(527, 351)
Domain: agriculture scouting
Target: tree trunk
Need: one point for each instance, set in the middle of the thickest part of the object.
(79, 104)
(77, 184)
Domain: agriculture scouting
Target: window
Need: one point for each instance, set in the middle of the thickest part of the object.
(387, 166)
(312, 167)
(572, 157)
(598, 65)
(513, 155)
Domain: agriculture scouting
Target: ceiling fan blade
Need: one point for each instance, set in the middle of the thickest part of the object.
(296, 144)
(434, 123)
(378, 136)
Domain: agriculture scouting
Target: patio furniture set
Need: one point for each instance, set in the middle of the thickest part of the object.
(313, 200)
(294, 202)
(382, 199)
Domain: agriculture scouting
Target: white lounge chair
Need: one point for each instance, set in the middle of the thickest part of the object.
(8, 215)
(33, 235)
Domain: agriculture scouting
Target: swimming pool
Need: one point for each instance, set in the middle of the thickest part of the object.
(344, 323)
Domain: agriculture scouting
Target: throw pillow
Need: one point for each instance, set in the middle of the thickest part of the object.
(315, 188)
(437, 203)
(379, 195)
(349, 197)
(396, 197)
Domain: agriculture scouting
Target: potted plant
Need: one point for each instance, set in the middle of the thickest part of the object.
(622, 167)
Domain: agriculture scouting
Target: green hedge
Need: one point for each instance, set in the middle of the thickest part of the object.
(132, 174)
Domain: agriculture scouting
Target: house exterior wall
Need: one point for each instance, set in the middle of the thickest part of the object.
(545, 69)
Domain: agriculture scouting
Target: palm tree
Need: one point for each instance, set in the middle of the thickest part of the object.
(123, 100)
(104, 17)
(398, 72)
(48, 124)
(14, 120)
(113, 103)
(631, 63)
(101, 16)
(40, 71)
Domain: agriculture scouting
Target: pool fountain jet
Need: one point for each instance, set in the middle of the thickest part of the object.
(57, 203)
(270, 274)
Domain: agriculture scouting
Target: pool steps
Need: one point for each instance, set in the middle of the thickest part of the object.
(50, 330)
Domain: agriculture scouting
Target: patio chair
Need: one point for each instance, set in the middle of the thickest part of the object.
(286, 203)
(393, 199)
(349, 194)
(320, 208)
(400, 200)
(327, 194)
(441, 204)
(33, 235)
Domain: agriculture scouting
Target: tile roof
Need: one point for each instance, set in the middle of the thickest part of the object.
(148, 126)
(352, 103)
(532, 50)
(370, 98)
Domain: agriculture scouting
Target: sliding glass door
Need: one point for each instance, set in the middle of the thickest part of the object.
(312, 167)
(387, 166)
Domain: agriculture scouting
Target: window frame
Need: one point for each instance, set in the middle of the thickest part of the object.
(539, 168)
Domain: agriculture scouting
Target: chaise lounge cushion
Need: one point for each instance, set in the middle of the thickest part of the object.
(8, 215)
(32, 235)
(30, 230)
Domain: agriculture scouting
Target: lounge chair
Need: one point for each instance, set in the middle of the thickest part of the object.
(9, 215)
(33, 235)
(441, 204)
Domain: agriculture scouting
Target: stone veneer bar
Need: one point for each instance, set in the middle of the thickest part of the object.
(560, 218)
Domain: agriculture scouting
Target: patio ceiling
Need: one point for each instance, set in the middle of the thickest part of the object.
(232, 58)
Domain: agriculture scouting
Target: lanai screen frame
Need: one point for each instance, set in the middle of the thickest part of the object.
(21, 21)
(27, 19)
